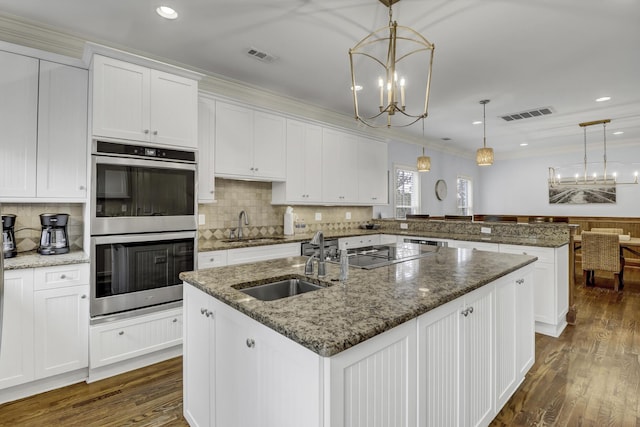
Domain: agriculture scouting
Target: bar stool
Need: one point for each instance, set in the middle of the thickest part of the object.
(601, 251)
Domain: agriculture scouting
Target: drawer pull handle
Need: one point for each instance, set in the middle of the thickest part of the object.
(121, 333)
(251, 343)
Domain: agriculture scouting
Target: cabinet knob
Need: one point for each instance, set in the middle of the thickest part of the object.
(81, 187)
(211, 192)
(175, 320)
(251, 343)
(63, 276)
(121, 333)
(83, 297)
(146, 131)
(520, 281)
(256, 169)
(203, 310)
(212, 259)
(251, 169)
(155, 132)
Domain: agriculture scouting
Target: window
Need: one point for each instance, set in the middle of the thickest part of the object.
(407, 193)
(464, 191)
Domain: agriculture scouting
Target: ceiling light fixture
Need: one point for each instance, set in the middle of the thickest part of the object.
(556, 179)
(619, 132)
(424, 162)
(603, 99)
(167, 12)
(484, 155)
(395, 61)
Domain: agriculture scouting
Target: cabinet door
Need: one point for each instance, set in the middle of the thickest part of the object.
(61, 330)
(16, 351)
(198, 358)
(339, 167)
(174, 110)
(304, 162)
(206, 150)
(62, 132)
(478, 356)
(269, 146)
(506, 326)
(121, 97)
(234, 140)
(525, 325)
(18, 124)
(372, 172)
(439, 376)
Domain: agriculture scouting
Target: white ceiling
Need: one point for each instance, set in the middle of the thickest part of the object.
(520, 54)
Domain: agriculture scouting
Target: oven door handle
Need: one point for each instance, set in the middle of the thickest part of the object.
(136, 238)
(147, 163)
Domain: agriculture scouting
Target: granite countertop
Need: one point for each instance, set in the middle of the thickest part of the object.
(328, 321)
(216, 245)
(33, 259)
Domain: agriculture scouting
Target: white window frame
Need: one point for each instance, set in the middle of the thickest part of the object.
(468, 208)
(415, 205)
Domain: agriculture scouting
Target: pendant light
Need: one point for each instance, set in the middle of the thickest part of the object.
(484, 155)
(424, 162)
(391, 75)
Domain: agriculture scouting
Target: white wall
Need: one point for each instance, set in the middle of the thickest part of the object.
(443, 166)
(519, 186)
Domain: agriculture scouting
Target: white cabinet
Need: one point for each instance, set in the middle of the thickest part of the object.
(480, 246)
(372, 172)
(262, 253)
(62, 132)
(18, 124)
(525, 322)
(304, 165)
(339, 167)
(198, 358)
(16, 352)
(551, 290)
(358, 241)
(121, 340)
(206, 149)
(142, 104)
(261, 377)
(455, 362)
(210, 259)
(249, 144)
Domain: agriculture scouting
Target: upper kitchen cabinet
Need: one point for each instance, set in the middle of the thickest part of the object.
(339, 167)
(304, 166)
(249, 144)
(372, 172)
(139, 103)
(18, 124)
(43, 122)
(62, 132)
(206, 134)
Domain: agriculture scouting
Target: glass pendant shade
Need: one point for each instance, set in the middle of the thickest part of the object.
(484, 156)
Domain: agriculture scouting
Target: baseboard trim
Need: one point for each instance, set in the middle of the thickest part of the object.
(103, 372)
(43, 385)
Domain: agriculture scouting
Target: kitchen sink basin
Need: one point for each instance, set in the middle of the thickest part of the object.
(255, 240)
(281, 289)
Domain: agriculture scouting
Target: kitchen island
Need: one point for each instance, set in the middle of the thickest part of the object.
(440, 340)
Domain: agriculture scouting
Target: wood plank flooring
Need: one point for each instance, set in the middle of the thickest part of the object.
(589, 376)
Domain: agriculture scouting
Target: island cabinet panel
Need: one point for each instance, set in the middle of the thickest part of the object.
(261, 377)
(455, 362)
(373, 383)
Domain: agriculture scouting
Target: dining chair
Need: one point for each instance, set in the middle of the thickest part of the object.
(608, 230)
(601, 251)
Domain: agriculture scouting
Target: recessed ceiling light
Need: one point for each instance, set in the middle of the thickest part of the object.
(167, 12)
(524, 144)
(477, 122)
(603, 99)
(619, 132)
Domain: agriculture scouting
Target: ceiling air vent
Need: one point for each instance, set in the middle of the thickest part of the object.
(260, 55)
(527, 114)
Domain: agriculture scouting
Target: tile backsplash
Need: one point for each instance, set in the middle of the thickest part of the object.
(265, 219)
(28, 228)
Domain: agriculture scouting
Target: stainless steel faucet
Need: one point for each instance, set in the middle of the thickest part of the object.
(318, 239)
(246, 222)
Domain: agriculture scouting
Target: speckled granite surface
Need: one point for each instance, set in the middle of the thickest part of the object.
(328, 321)
(35, 260)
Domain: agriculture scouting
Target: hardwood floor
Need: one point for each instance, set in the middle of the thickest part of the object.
(589, 376)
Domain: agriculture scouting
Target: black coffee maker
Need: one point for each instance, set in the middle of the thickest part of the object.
(9, 249)
(54, 239)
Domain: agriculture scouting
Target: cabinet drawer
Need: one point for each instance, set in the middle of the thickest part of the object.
(121, 340)
(212, 259)
(358, 241)
(262, 253)
(61, 276)
(543, 254)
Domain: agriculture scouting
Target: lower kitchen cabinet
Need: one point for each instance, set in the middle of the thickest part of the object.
(46, 321)
(262, 253)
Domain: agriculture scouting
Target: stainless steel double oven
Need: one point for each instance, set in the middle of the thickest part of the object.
(143, 225)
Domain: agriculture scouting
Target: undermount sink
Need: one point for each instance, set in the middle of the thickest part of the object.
(281, 289)
(254, 240)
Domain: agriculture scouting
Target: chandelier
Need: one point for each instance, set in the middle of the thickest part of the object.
(390, 70)
(573, 177)
(484, 155)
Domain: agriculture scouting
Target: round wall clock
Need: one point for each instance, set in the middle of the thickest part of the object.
(441, 189)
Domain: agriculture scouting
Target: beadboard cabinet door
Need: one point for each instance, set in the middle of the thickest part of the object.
(19, 125)
(339, 167)
(372, 172)
(206, 149)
